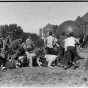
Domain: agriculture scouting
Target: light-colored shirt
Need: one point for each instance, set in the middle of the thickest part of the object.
(23, 45)
(70, 41)
(50, 41)
(29, 43)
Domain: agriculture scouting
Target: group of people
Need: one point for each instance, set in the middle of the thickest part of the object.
(68, 49)
(11, 50)
(52, 46)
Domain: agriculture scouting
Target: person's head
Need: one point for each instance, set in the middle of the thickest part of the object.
(50, 33)
(20, 40)
(29, 37)
(70, 34)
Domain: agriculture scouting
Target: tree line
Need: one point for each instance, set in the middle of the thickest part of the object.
(15, 32)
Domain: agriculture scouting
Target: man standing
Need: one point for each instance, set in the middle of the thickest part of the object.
(70, 49)
(51, 41)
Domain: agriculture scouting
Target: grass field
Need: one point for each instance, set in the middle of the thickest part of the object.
(46, 77)
(43, 77)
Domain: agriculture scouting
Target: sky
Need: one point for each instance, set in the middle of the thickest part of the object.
(32, 16)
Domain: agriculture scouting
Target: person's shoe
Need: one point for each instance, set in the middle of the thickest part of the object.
(60, 65)
(3, 69)
(66, 67)
(74, 67)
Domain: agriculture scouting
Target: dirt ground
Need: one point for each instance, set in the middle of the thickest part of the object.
(43, 77)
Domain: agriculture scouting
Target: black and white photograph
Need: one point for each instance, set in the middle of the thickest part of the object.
(43, 44)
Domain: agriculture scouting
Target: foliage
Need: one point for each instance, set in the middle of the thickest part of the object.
(12, 30)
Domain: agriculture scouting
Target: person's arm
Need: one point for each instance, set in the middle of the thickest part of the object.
(45, 43)
(33, 45)
(77, 41)
(63, 43)
(57, 45)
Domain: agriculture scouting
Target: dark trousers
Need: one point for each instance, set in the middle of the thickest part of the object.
(49, 50)
(70, 55)
(61, 55)
(2, 61)
(29, 49)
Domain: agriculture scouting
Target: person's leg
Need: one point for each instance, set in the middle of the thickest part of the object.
(47, 50)
(61, 55)
(72, 54)
(74, 59)
(67, 57)
(3, 64)
(52, 51)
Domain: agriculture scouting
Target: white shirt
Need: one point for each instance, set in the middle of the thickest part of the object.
(50, 40)
(28, 43)
(71, 41)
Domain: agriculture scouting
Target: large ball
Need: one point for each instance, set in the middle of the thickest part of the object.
(67, 27)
